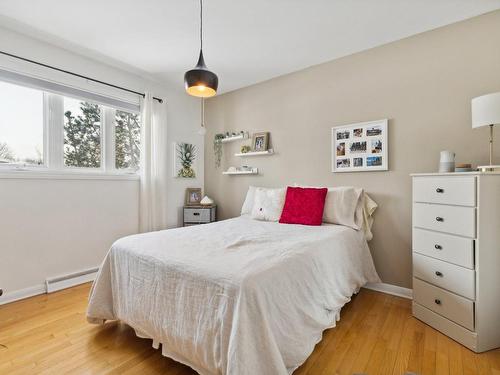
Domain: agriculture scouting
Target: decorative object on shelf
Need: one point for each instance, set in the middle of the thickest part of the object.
(218, 149)
(260, 141)
(360, 147)
(184, 160)
(193, 196)
(463, 167)
(206, 201)
(447, 162)
(486, 112)
(244, 168)
(200, 81)
(244, 149)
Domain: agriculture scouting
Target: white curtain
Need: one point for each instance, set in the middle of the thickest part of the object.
(153, 198)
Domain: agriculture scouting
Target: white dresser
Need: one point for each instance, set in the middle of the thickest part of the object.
(456, 256)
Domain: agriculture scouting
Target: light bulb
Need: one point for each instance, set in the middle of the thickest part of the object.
(202, 130)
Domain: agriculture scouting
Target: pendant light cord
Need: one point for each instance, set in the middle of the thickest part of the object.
(203, 112)
(201, 24)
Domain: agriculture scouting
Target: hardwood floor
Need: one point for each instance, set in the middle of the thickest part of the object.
(48, 334)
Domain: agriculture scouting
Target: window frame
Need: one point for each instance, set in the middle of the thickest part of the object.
(45, 121)
(53, 145)
(112, 130)
(60, 115)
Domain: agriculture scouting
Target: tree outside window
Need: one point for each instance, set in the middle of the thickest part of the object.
(127, 140)
(82, 134)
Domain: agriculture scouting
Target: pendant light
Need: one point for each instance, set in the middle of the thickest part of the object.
(200, 81)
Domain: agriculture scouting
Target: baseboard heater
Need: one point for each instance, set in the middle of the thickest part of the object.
(62, 282)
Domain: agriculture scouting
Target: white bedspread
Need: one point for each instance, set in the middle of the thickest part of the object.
(234, 297)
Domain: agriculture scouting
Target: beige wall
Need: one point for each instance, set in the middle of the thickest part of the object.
(422, 84)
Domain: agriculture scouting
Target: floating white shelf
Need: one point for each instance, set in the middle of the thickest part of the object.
(255, 153)
(253, 171)
(234, 138)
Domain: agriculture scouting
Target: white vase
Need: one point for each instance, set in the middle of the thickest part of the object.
(447, 162)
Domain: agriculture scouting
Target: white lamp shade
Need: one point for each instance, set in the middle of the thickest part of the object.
(486, 110)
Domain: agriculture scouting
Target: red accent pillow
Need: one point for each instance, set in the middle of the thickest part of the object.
(303, 206)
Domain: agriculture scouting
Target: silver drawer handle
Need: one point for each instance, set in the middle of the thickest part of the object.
(439, 190)
(440, 219)
(438, 247)
(437, 301)
(440, 274)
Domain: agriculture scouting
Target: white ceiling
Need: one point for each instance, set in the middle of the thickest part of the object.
(245, 41)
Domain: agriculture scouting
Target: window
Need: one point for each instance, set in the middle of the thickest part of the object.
(127, 140)
(82, 134)
(21, 125)
(62, 133)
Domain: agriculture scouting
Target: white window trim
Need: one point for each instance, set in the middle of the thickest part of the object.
(55, 130)
(33, 174)
(108, 140)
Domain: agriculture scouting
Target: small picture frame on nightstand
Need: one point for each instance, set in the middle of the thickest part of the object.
(193, 196)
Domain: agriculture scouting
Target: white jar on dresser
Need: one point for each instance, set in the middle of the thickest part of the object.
(456, 256)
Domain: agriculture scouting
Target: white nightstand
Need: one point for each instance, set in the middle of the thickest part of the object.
(194, 215)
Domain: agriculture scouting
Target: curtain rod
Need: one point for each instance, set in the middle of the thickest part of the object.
(78, 75)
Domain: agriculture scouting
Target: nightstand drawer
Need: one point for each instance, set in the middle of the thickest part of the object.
(454, 278)
(451, 306)
(449, 219)
(459, 191)
(447, 247)
(196, 215)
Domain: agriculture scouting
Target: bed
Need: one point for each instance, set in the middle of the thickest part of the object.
(235, 297)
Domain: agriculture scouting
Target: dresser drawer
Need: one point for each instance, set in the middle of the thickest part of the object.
(449, 219)
(196, 215)
(453, 249)
(451, 306)
(454, 278)
(446, 326)
(445, 190)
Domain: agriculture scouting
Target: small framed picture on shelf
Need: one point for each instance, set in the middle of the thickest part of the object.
(193, 196)
(260, 141)
(360, 147)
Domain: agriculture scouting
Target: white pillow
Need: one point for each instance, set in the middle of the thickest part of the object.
(268, 204)
(246, 209)
(343, 206)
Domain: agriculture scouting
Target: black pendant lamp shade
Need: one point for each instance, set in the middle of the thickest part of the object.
(200, 81)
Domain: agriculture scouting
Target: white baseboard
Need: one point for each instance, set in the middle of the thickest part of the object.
(391, 289)
(22, 294)
(67, 281)
(41, 289)
(54, 285)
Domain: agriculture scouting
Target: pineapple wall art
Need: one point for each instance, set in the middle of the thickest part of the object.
(184, 160)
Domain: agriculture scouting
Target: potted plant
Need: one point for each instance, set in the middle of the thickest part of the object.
(218, 149)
